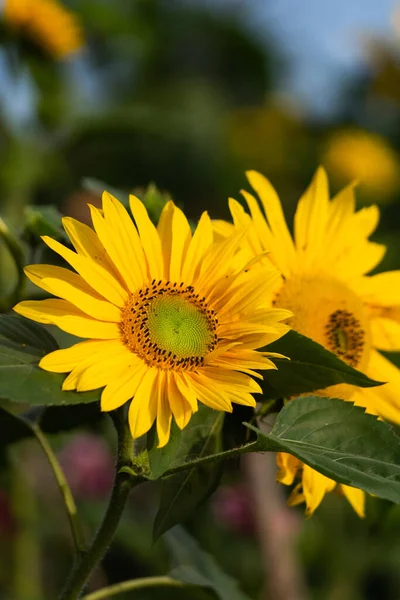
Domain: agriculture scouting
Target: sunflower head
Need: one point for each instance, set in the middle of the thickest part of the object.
(46, 22)
(171, 317)
(324, 282)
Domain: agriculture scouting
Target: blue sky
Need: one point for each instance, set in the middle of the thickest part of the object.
(322, 38)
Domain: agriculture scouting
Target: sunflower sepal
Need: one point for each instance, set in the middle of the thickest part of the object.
(339, 440)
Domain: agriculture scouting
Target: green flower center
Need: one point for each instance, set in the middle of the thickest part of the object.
(169, 326)
(178, 326)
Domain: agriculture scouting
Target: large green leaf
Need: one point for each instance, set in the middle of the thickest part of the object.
(311, 367)
(340, 440)
(22, 345)
(197, 567)
(182, 492)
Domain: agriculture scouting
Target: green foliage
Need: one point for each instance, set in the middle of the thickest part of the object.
(43, 220)
(339, 440)
(198, 567)
(311, 367)
(181, 493)
(22, 345)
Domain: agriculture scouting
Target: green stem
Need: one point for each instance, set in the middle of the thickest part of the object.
(123, 484)
(76, 527)
(134, 584)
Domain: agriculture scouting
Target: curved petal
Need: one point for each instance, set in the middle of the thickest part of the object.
(95, 275)
(174, 231)
(68, 318)
(123, 388)
(356, 498)
(63, 361)
(149, 238)
(178, 403)
(385, 334)
(118, 235)
(143, 408)
(164, 416)
(71, 287)
(315, 486)
(199, 244)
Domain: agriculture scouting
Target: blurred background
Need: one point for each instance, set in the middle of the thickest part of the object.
(189, 94)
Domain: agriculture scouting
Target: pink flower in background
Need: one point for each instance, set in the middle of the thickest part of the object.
(232, 508)
(88, 466)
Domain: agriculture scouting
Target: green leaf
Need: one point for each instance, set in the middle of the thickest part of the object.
(160, 459)
(43, 220)
(198, 567)
(183, 492)
(311, 367)
(22, 345)
(339, 440)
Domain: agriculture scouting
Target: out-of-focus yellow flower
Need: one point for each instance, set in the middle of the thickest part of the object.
(357, 154)
(48, 23)
(262, 135)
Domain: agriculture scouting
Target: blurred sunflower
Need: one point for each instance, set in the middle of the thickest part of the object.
(172, 317)
(355, 154)
(324, 283)
(48, 23)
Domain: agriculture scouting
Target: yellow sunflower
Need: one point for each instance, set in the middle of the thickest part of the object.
(173, 318)
(48, 23)
(324, 282)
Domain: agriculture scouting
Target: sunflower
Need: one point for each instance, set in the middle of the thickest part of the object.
(356, 154)
(48, 23)
(324, 282)
(172, 318)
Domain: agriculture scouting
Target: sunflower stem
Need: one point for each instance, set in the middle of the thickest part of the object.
(72, 511)
(135, 584)
(123, 484)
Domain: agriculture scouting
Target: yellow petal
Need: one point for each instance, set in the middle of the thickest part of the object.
(86, 243)
(382, 289)
(214, 398)
(149, 238)
(315, 486)
(230, 380)
(143, 408)
(71, 287)
(356, 498)
(122, 389)
(311, 220)
(276, 219)
(175, 234)
(385, 334)
(121, 240)
(382, 400)
(63, 361)
(222, 229)
(164, 416)
(68, 318)
(178, 404)
(186, 390)
(288, 466)
(95, 275)
(98, 369)
(199, 244)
